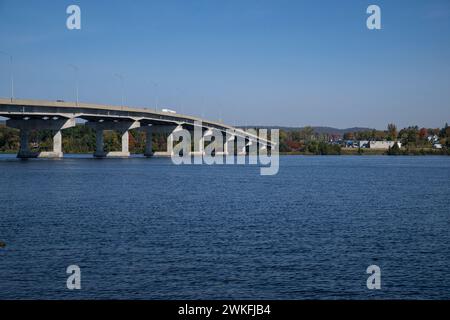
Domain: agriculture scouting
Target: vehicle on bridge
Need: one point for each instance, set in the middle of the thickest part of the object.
(168, 111)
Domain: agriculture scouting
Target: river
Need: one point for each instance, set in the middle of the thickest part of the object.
(147, 229)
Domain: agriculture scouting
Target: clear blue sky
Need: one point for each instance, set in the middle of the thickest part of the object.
(286, 63)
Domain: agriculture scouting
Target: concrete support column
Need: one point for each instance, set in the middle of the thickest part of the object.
(218, 141)
(241, 146)
(24, 134)
(170, 140)
(122, 126)
(169, 128)
(24, 150)
(57, 147)
(57, 142)
(125, 140)
(56, 124)
(148, 142)
(170, 145)
(228, 146)
(148, 129)
(99, 144)
(199, 145)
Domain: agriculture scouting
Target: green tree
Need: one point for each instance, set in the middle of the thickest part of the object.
(392, 131)
(395, 150)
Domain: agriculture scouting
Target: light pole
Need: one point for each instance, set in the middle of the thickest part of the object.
(75, 68)
(179, 99)
(203, 107)
(120, 76)
(11, 72)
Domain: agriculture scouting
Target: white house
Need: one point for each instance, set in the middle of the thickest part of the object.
(383, 144)
(363, 143)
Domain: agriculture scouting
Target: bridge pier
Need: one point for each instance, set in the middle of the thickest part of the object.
(123, 127)
(148, 130)
(216, 142)
(228, 145)
(99, 144)
(57, 147)
(26, 126)
(241, 146)
(166, 129)
(24, 150)
(170, 140)
(199, 142)
(148, 141)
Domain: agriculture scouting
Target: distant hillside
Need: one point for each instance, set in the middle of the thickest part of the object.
(330, 130)
(319, 130)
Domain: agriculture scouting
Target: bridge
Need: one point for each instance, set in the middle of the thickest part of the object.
(30, 115)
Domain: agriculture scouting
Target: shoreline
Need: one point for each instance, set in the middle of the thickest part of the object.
(374, 152)
(299, 153)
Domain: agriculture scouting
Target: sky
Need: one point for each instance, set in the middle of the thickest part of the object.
(243, 62)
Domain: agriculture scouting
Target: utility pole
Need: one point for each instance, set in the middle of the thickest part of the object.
(75, 68)
(121, 78)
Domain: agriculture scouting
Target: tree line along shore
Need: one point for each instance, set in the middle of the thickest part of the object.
(304, 141)
(411, 140)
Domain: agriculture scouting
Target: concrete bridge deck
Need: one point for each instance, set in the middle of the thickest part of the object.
(27, 115)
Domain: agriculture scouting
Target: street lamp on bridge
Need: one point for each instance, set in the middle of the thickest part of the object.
(155, 85)
(75, 68)
(121, 78)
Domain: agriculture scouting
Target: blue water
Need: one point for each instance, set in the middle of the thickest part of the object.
(147, 229)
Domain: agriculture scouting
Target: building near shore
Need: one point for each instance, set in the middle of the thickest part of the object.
(383, 144)
(364, 143)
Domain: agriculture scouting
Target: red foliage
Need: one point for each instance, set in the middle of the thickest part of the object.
(131, 141)
(423, 133)
(293, 145)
